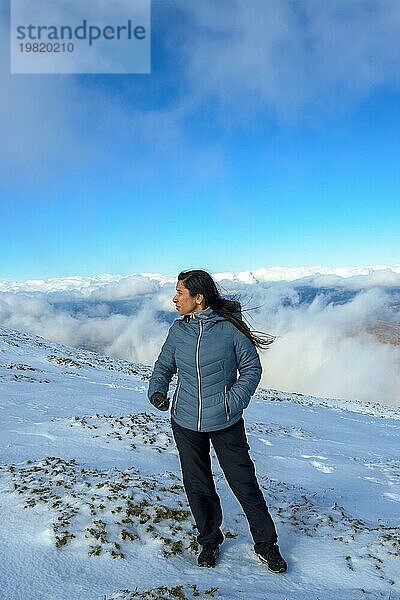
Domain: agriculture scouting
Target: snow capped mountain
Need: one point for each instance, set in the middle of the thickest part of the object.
(87, 286)
(93, 507)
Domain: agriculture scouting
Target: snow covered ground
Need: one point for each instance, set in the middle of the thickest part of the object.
(93, 508)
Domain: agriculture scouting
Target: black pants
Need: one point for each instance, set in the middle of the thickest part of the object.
(231, 447)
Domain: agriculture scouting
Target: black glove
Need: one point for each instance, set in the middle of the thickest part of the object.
(160, 401)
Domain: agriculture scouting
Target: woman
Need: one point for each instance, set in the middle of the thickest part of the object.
(206, 347)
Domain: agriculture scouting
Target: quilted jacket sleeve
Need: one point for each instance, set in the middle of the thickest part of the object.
(249, 367)
(164, 367)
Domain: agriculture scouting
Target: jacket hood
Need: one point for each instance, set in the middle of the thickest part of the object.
(208, 314)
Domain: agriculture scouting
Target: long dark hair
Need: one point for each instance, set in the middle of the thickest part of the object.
(197, 281)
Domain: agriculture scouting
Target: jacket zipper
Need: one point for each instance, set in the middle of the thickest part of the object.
(198, 373)
(226, 406)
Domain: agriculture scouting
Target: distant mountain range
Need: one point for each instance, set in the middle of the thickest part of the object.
(349, 277)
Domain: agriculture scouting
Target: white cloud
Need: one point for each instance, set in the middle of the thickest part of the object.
(286, 57)
(133, 285)
(134, 338)
(327, 350)
(289, 59)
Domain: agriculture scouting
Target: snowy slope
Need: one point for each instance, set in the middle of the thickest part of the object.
(93, 508)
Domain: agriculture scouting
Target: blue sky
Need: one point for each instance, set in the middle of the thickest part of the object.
(268, 133)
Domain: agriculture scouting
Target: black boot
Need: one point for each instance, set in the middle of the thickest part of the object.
(208, 556)
(273, 559)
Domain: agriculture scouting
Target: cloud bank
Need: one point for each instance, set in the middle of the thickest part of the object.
(323, 322)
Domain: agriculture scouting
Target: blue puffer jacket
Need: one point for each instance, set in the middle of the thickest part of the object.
(206, 352)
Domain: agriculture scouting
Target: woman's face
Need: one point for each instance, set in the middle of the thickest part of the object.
(184, 302)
